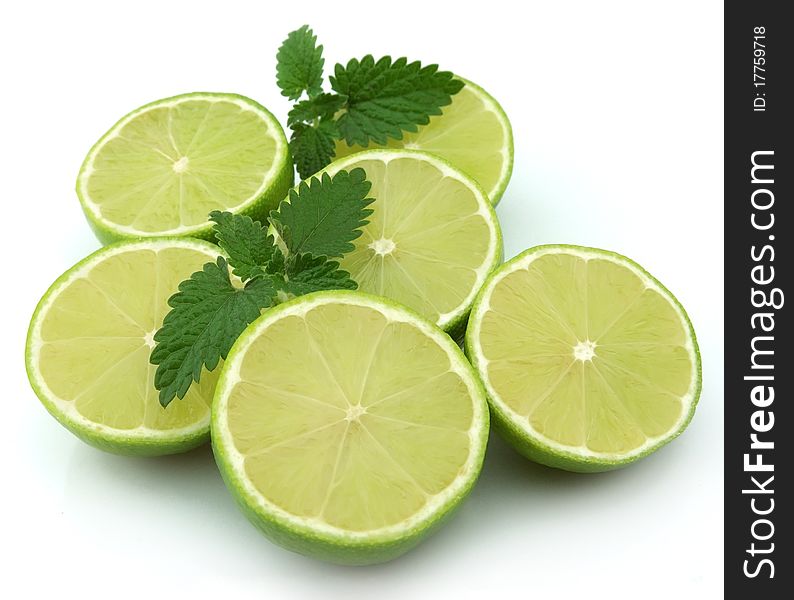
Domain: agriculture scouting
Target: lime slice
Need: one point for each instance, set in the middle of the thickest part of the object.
(347, 426)
(88, 348)
(164, 167)
(589, 362)
(473, 133)
(432, 239)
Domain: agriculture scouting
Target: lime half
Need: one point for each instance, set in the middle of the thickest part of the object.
(473, 133)
(88, 349)
(432, 239)
(347, 427)
(589, 362)
(164, 167)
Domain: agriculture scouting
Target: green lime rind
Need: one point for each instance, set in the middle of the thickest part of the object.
(333, 544)
(454, 325)
(336, 549)
(116, 441)
(257, 208)
(520, 437)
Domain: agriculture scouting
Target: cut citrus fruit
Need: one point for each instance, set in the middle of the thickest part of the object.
(164, 167)
(347, 427)
(432, 239)
(473, 133)
(88, 348)
(589, 362)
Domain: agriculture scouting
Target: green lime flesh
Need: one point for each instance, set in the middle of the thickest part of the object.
(473, 133)
(589, 362)
(88, 347)
(432, 239)
(347, 427)
(164, 167)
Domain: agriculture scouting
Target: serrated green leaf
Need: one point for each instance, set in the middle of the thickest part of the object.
(299, 65)
(277, 264)
(324, 106)
(324, 215)
(313, 147)
(385, 98)
(306, 274)
(245, 241)
(207, 315)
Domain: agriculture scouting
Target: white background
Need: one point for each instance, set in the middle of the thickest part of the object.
(617, 112)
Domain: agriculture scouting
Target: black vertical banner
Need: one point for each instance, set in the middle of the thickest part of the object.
(759, 265)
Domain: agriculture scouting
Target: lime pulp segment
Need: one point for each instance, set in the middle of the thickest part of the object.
(473, 133)
(347, 426)
(589, 362)
(164, 167)
(432, 238)
(89, 343)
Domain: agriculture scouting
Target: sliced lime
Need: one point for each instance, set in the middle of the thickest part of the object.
(164, 167)
(88, 349)
(589, 362)
(473, 133)
(432, 239)
(347, 427)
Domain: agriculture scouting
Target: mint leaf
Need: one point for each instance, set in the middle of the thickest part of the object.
(207, 315)
(385, 98)
(323, 106)
(245, 241)
(323, 216)
(277, 264)
(375, 101)
(307, 273)
(313, 147)
(299, 65)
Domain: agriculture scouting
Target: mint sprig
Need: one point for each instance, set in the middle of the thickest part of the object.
(324, 215)
(299, 64)
(317, 223)
(306, 273)
(312, 146)
(386, 98)
(373, 101)
(207, 315)
(246, 242)
(323, 107)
